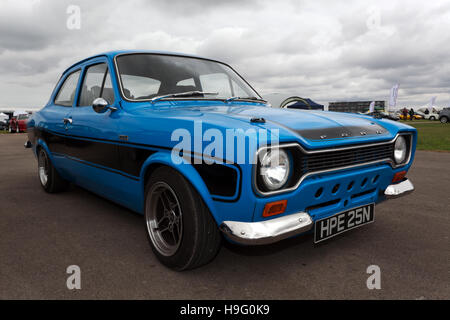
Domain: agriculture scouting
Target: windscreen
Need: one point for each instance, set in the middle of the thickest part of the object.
(145, 76)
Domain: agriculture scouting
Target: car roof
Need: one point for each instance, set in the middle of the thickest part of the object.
(112, 54)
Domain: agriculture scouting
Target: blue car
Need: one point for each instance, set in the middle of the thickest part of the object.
(189, 144)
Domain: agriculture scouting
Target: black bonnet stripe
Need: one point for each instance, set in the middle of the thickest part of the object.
(341, 132)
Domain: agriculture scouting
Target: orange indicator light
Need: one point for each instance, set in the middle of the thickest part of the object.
(274, 208)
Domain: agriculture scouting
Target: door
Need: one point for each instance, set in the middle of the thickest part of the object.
(92, 137)
(53, 128)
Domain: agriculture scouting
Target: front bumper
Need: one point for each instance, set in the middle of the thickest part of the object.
(269, 231)
(274, 230)
(399, 189)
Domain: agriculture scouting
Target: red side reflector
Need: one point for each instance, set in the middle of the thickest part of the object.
(399, 176)
(274, 208)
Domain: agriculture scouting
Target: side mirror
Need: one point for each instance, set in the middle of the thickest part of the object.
(100, 105)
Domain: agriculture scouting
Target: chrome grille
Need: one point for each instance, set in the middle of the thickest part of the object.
(311, 162)
(327, 160)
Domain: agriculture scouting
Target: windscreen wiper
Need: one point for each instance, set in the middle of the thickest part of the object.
(245, 98)
(183, 94)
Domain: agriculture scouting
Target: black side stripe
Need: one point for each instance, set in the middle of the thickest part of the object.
(120, 142)
(122, 157)
(99, 167)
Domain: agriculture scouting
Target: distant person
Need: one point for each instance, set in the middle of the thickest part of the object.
(411, 114)
(405, 113)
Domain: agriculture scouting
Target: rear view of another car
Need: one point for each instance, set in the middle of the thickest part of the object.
(19, 123)
(22, 120)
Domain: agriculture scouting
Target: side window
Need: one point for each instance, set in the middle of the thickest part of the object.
(108, 92)
(97, 83)
(66, 93)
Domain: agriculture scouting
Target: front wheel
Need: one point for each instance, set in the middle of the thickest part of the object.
(444, 119)
(432, 118)
(181, 231)
(50, 179)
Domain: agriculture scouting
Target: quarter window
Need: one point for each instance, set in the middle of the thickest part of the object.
(108, 92)
(66, 94)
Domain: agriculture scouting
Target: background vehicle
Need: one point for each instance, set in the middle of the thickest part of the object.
(408, 117)
(444, 115)
(19, 123)
(383, 115)
(426, 114)
(291, 101)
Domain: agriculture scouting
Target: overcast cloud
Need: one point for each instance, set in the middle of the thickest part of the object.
(325, 50)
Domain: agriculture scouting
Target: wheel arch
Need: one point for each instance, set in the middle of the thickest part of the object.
(163, 159)
(41, 144)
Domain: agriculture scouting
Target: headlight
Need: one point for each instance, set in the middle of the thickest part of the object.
(400, 150)
(274, 169)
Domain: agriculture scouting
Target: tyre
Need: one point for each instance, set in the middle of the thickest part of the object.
(49, 178)
(17, 128)
(181, 230)
(432, 118)
(443, 119)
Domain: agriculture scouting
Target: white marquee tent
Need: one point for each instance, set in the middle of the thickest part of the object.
(3, 117)
(19, 112)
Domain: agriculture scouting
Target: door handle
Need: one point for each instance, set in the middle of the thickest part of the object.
(67, 120)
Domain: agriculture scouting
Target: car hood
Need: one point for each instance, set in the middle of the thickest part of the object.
(315, 129)
(311, 125)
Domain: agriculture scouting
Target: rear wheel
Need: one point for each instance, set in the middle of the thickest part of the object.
(444, 119)
(50, 179)
(182, 233)
(432, 118)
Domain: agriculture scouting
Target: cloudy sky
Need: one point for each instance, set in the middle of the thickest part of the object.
(325, 50)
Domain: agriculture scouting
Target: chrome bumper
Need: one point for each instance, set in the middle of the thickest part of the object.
(399, 189)
(269, 231)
